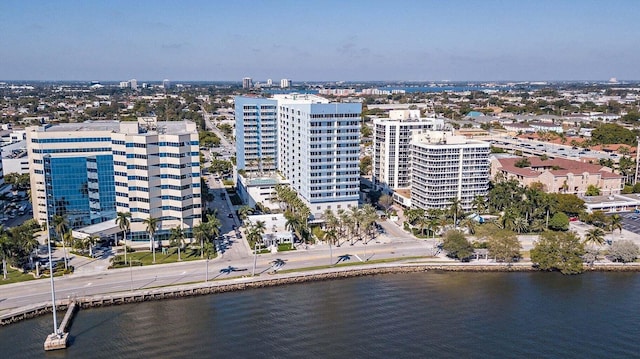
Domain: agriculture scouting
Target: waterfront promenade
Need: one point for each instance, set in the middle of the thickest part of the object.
(395, 248)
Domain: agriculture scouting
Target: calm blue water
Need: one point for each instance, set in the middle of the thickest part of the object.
(422, 315)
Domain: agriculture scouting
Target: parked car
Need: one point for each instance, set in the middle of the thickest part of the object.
(230, 215)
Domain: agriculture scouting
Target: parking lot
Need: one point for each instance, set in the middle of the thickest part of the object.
(631, 222)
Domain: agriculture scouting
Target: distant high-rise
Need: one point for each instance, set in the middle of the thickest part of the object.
(285, 83)
(269, 82)
(247, 83)
(134, 84)
(124, 84)
(166, 84)
(256, 134)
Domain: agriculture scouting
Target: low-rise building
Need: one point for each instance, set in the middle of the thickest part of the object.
(558, 175)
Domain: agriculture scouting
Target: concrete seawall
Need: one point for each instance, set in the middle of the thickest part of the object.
(242, 283)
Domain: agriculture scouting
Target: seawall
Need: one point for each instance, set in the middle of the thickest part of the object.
(243, 283)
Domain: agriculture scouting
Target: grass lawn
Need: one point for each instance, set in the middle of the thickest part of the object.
(145, 258)
(285, 247)
(15, 276)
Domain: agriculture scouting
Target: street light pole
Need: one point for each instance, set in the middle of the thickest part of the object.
(53, 289)
(330, 254)
(255, 258)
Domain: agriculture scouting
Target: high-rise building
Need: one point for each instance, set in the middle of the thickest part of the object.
(391, 167)
(256, 134)
(166, 84)
(445, 167)
(318, 150)
(93, 170)
(269, 82)
(247, 83)
(134, 84)
(285, 83)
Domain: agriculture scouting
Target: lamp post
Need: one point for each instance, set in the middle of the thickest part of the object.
(53, 289)
(255, 258)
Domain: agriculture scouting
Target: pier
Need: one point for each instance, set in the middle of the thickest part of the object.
(59, 341)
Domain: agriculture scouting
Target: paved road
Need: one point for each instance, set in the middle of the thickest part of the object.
(126, 279)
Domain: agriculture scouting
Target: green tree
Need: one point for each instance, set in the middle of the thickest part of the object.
(456, 245)
(592, 191)
(559, 222)
(504, 246)
(123, 220)
(558, 251)
(385, 201)
(609, 133)
(365, 165)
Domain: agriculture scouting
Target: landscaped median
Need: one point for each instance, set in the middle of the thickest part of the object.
(145, 258)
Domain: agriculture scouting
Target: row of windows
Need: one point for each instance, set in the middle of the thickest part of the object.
(137, 167)
(335, 115)
(70, 140)
(72, 150)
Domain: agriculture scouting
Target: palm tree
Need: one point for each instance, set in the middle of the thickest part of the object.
(208, 250)
(176, 238)
(152, 226)
(5, 250)
(244, 211)
(90, 242)
(520, 224)
(455, 210)
(60, 225)
(615, 222)
(330, 237)
(201, 233)
(595, 236)
(469, 224)
(123, 221)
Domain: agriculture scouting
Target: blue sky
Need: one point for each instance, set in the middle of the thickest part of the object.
(419, 40)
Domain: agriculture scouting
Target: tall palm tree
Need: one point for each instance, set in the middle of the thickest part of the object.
(177, 239)
(90, 242)
(455, 210)
(152, 227)
(208, 250)
(123, 221)
(615, 222)
(61, 225)
(201, 234)
(5, 250)
(330, 237)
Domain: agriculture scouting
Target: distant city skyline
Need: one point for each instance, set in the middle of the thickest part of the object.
(332, 40)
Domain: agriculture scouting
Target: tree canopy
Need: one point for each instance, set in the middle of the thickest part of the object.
(559, 251)
(609, 133)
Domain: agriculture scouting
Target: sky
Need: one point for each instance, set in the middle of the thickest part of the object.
(320, 40)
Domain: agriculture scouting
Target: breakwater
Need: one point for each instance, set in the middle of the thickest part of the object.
(244, 283)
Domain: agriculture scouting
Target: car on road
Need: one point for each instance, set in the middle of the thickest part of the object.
(230, 215)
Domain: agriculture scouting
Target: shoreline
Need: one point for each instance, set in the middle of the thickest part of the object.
(244, 283)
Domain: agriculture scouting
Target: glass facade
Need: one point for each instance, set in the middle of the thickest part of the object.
(80, 188)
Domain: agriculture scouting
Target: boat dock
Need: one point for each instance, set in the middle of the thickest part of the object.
(59, 341)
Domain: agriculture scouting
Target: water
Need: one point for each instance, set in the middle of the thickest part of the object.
(421, 315)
